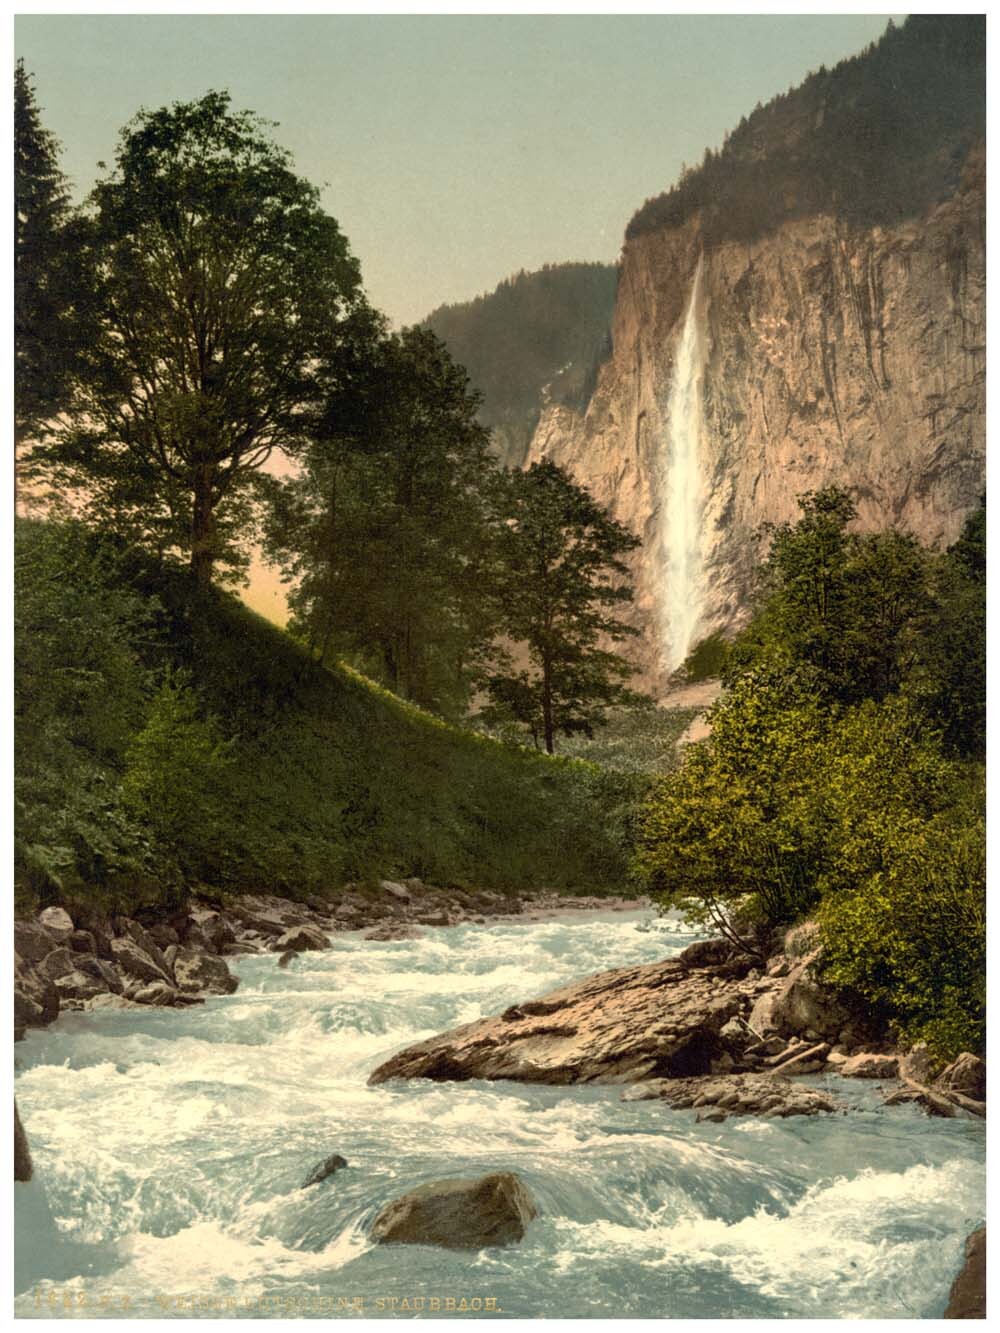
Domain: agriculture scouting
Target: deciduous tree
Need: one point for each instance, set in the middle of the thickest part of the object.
(217, 284)
(562, 579)
(387, 532)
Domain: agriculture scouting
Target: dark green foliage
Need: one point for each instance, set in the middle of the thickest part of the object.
(880, 137)
(44, 331)
(952, 681)
(736, 829)
(387, 531)
(864, 616)
(84, 646)
(176, 770)
(911, 938)
(562, 578)
(216, 284)
(536, 331)
(312, 776)
(707, 660)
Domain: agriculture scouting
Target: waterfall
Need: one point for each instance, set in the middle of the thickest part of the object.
(681, 496)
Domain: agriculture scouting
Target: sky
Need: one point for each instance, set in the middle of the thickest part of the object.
(453, 151)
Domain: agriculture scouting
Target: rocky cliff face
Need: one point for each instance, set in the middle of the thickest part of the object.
(831, 355)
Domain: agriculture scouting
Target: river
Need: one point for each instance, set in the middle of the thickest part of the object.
(169, 1147)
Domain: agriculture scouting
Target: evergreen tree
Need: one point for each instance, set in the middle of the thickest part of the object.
(218, 287)
(562, 577)
(43, 341)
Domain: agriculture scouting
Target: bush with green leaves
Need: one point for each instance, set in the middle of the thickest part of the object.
(910, 938)
(707, 659)
(736, 829)
(82, 640)
(175, 770)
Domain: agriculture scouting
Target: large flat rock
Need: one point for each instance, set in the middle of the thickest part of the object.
(657, 1020)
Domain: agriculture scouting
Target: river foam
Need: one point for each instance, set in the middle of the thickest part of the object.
(170, 1146)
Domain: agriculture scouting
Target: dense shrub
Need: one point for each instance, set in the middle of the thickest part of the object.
(83, 643)
(911, 937)
(706, 660)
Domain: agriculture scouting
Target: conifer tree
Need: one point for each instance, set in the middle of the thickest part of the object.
(43, 342)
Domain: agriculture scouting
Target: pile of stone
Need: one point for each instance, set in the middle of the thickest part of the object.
(717, 1096)
(59, 964)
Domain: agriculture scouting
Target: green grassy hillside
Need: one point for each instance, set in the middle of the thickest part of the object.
(166, 740)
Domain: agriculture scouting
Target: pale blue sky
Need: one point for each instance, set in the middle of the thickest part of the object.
(454, 150)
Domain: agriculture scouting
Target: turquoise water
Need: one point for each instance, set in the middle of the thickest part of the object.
(170, 1145)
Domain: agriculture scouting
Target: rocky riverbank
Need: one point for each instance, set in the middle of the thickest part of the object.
(83, 960)
(711, 1029)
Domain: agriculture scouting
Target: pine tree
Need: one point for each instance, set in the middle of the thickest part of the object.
(43, 344)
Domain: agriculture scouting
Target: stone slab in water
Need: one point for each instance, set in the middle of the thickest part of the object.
(459, 1214)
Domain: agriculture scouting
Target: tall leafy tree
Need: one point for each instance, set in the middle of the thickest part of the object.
(218, 286)
(562, 580)
(387, 531)
(43, 333)
(850, 610)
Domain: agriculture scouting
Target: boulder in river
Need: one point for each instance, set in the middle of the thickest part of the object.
(76, 987)
(800, 1004)
(459, 1214)
(300, 939)
(869, 1064)
(966, 1075)
(32, 941)
(323, 1169)
(135, 962)
(203, 973)
(967, 1299)
(398, 891)
(153, 992)
(215, 927)
(22, 1153)
(394, 930)
(57, 922)
(36, 1000)
(655, 1020)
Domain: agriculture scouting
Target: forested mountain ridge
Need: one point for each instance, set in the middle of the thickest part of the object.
(536, 339)
(880, 137)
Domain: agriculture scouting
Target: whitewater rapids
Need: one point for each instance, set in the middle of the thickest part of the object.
(169, 1147)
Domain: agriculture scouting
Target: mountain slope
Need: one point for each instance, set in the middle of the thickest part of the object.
(535, 339)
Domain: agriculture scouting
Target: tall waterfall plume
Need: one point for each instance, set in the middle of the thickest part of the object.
(682, 500)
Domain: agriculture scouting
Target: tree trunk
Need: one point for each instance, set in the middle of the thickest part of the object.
(203, 526)
(550, 735)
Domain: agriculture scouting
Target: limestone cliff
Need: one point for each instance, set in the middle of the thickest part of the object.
(832, 353)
